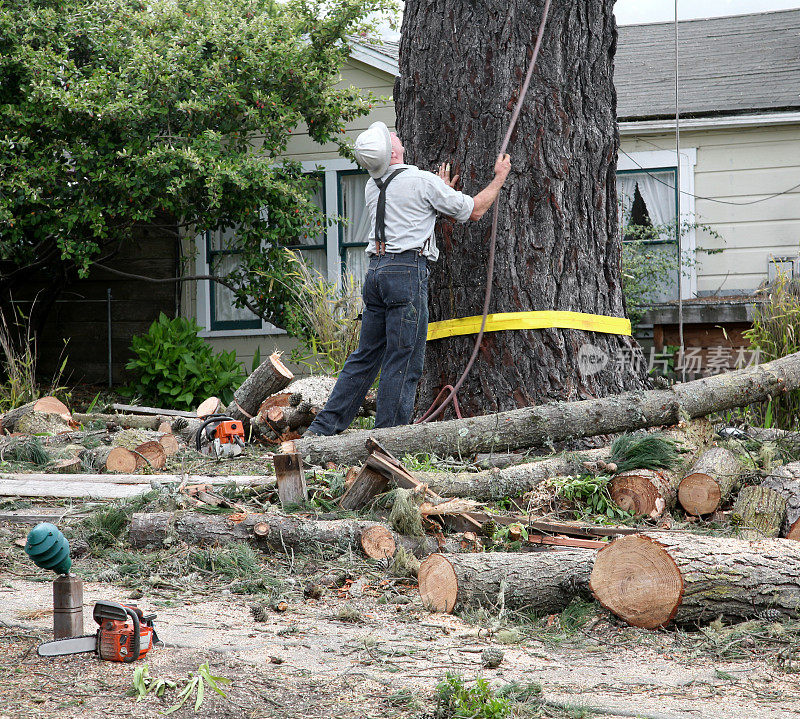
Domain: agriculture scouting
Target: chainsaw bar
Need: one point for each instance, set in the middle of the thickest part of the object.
(71, 645)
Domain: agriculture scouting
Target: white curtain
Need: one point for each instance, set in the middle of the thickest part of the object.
(317, 236)
(658, 192)
(626, 187)
(357, 229)
(224, 309)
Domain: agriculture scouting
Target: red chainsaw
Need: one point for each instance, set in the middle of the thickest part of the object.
(124, 634)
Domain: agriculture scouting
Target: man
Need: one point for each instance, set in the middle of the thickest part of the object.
(403, 202)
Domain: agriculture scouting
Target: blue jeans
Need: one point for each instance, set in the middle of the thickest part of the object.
(394, 329)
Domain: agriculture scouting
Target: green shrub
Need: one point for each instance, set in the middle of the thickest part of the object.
(174, 367)
(775, 334)
(456, 700)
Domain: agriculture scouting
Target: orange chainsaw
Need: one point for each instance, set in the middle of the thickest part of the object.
(124, 635)
(220, 435)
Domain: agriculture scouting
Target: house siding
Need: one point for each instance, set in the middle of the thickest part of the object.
(739, 165)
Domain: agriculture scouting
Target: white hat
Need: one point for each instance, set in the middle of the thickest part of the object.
(373, 149)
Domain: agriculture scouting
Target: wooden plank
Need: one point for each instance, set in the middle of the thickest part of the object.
(70, 489)
(136, 409)
(566, 541)
(33, 516)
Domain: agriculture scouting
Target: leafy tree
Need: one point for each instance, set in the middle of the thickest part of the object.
(171, 113)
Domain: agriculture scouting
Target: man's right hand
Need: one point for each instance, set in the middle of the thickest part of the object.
(502, 166)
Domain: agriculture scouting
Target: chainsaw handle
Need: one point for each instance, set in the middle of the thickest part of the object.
(137, 635)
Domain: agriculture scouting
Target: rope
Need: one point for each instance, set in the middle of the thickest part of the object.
(430, 415)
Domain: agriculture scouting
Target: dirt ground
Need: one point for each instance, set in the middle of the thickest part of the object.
(370, 649)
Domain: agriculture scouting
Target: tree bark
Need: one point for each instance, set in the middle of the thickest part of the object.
(558, 245)
(651, 579)
(543, 582)
(786, 482)
(291, 479)
(270, 376)
(760, 511)
(537, 426)
(126, 421)
(711, 481)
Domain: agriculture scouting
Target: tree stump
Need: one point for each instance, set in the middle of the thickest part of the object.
(543, 582)
(651, 579)
(761, 512)
(291, 479)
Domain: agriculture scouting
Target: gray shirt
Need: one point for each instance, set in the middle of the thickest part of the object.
(412, 200)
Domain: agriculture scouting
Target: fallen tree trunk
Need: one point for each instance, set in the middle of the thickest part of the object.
(496, 484)
(760, 511)
(543, 582)
(651, 579)
(275, 531)
(786, 482)
(712, 479)
(540, 425)
(270, 376)
(651, 491)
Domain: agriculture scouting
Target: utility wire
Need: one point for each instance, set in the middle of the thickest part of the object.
(710, 199)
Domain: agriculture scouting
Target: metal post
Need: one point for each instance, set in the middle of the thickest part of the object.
(108, 306)
(67, 606)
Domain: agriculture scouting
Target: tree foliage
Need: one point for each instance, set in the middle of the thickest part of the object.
(117, 113)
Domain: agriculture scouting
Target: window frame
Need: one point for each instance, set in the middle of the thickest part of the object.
(344, 246)
(328, 170)
(661, 160)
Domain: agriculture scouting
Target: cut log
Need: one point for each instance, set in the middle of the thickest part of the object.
(651, 579)
(112, 459)
(72, 465)
(786, 482)
(164, 427)
(274, 531)
(544, 582)
(712, 479)
(212, 405)
(269, 377)
(498, 484)
(760, 512)
(377, 541)
(651, 491)
(150, 454)
(542, 424)
(283, 419)
(170, 444)
(291, 479)
(44, 405)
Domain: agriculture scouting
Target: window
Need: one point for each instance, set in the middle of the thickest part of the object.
(223, 314)
(313, 246)
(353, 234)
(649, 199)
(647, 194)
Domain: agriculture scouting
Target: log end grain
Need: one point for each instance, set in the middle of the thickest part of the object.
(635, 492)
(170, 444)
(51, 405)
(438, 583)
(122, 460)
(279, 368)
(378, 543)
(636, 579)
(699, 493)
(212, 405)
(150, 454)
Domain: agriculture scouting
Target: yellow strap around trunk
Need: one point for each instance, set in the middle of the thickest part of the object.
(530, 321)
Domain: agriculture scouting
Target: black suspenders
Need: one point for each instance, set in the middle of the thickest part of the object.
(380, 214)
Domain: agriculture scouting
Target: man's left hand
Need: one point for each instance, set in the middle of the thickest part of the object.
(444, 173)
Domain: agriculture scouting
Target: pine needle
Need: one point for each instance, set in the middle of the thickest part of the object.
(30, 450)
(646, 451)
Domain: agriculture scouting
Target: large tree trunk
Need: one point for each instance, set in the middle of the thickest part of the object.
(654, 578)
(542, 582)
(786, 482)
(537, 426)
(558, 247)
